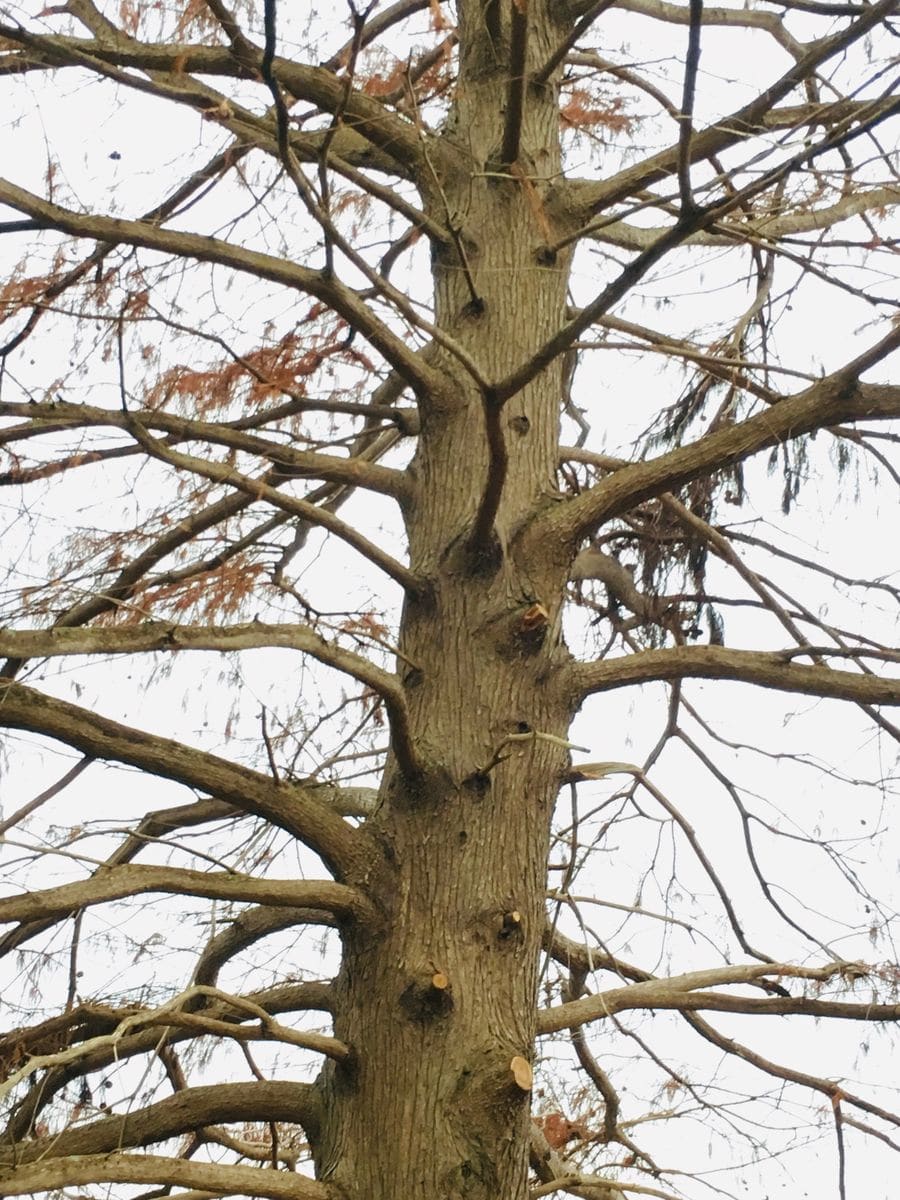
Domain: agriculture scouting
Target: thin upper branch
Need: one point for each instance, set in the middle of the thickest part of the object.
(366, 116)
(346, 302)
(737, 126)
(294, 809)
(691, 66)
(596, 9)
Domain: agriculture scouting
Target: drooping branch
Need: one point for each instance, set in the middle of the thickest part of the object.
(343, 848)
(837, 398)
(764, 668)
(185, 1112)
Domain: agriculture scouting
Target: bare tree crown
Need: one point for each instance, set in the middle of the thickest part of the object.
(498, 395)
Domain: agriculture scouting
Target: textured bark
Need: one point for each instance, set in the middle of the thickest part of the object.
(440, 1006)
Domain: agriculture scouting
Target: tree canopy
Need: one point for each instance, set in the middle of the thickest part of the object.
(499, 396)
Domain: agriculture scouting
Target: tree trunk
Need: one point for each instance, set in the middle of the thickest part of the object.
(441, 1004)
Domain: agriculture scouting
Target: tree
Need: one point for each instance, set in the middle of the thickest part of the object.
(352, 310)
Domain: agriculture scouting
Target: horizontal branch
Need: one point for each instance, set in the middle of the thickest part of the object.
(152, 827)
(258, 1025)
(114, 883)
(581, 960)
(295, 809)
(764, 668)
(678, 14)
(682, 992)
(170, 637)
(355, 472)
(185, 1112)
(833, 400)
(91, 1021)
(214, 1178)
(264, 1029)
(322, 286)
(174, 1014)
(767, 227)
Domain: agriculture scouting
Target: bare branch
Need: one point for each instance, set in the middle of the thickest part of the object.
(312, 514)
(225, 1180)
(387, 131)
(737, 126)
(330, 290)
(184, 1112)
(356, 472)
(47, 794)
(88, 1021)
(113, 883)
(682, 992)
(837, 398)
(247, 928)
(765, 668)
(294, 809)
(595, 11)
(166, 637)
(691, 66)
